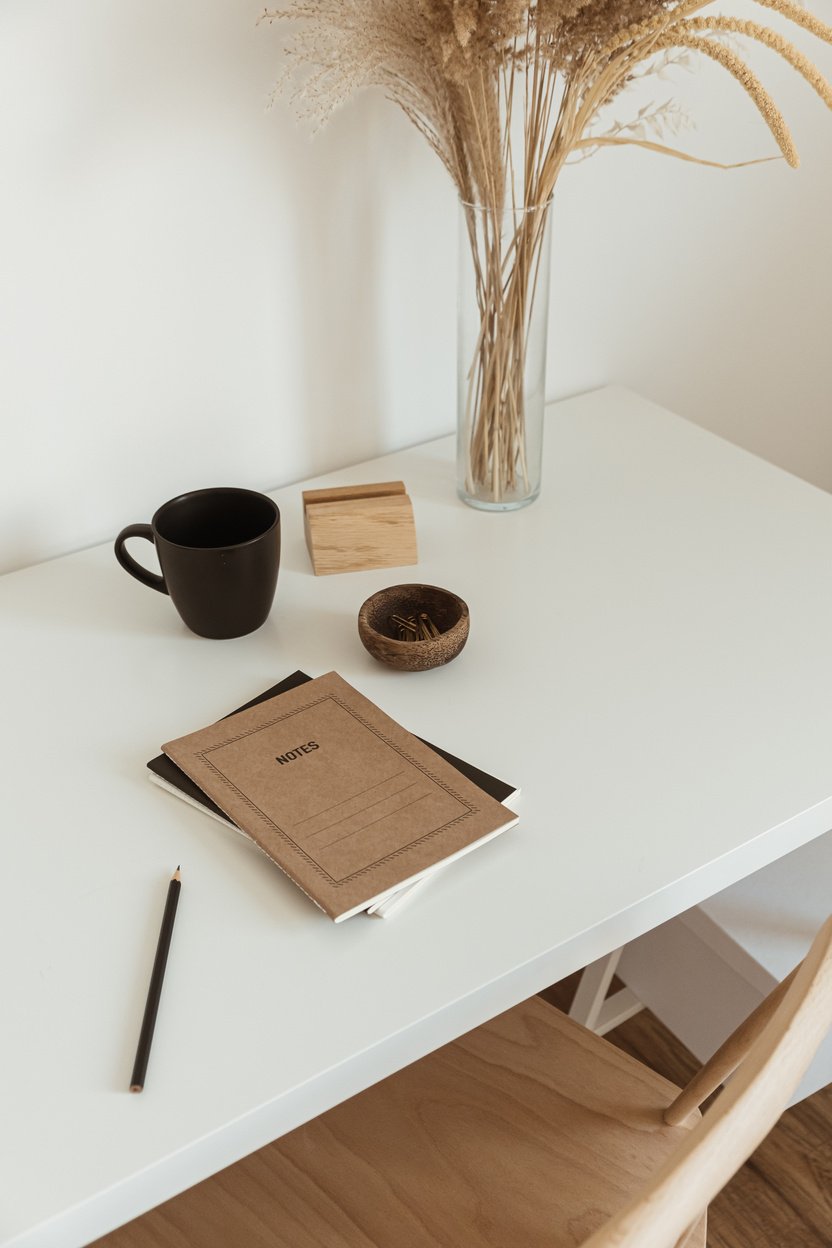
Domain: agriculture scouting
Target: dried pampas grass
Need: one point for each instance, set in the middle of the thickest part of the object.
(505, 91)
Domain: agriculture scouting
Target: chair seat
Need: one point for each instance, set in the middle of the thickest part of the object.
(529, 1131)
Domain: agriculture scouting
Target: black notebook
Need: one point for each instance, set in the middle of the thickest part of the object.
(166, 773)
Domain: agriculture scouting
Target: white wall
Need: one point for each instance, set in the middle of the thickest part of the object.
(194, 291)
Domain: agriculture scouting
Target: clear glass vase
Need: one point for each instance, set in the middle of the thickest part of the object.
(502, 323)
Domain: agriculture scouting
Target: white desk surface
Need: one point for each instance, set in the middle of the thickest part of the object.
(650, 659)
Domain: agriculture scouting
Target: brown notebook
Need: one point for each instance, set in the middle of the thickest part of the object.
(349, 804)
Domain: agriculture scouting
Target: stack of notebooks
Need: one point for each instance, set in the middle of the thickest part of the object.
(357, 811)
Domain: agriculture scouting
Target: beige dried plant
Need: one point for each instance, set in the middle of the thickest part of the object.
(505, 91)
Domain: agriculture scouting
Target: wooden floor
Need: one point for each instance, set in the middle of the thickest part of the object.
(782, 1197)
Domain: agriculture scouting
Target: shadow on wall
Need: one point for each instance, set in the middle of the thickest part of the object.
(337, 202)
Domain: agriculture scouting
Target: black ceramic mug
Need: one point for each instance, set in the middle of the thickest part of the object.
(219, 551)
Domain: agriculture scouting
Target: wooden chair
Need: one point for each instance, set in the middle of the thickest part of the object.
(528, 1131)
(732, 950)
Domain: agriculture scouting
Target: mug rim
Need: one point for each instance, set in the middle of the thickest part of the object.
(215, 489)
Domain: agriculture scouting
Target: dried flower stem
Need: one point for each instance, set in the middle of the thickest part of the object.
(453, 66)
(772, 39)
(747, 79)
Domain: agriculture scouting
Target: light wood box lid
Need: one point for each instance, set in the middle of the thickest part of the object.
(353, 528)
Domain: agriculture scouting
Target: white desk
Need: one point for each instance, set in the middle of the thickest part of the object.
(650, 659)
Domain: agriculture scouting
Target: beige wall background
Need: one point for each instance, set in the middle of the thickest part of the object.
(194, 290)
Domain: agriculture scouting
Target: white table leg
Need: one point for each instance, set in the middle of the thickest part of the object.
(593, 1008)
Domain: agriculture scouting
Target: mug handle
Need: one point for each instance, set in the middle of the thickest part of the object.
(151, 579)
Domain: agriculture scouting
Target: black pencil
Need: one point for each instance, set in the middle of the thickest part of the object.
(157, 978)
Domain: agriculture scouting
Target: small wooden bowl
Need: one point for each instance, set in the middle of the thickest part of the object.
(448, 612)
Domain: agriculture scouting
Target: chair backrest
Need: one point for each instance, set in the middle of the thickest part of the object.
(770, 1053)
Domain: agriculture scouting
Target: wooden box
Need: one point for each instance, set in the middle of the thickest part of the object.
(356, 527)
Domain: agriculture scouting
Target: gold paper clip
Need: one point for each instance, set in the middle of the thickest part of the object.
(407, 628)
(427, 628)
